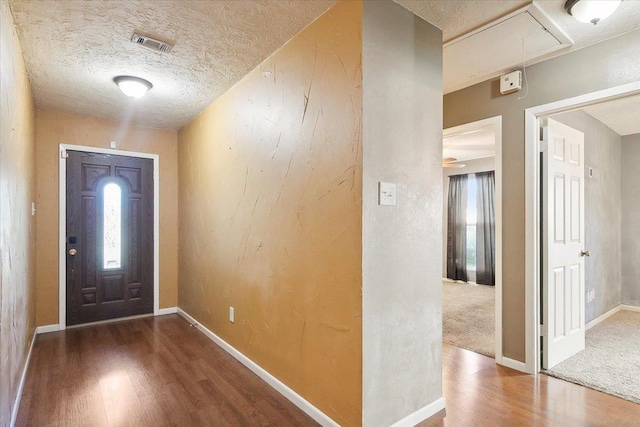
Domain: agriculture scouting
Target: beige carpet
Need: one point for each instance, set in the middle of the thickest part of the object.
(468, 317)
(611, 360)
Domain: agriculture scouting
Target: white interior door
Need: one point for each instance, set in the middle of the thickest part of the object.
(563, 288)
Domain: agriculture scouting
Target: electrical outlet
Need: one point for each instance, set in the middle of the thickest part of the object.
(232, 315)
(591, 295)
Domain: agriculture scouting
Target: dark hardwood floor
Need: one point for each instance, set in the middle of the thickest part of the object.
(480, 393)
(155, 371)
(162, 372)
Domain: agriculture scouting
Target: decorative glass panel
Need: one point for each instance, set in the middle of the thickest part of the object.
(112, 226)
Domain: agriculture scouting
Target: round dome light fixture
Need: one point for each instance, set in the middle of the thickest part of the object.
(135, 87)
(591, 11)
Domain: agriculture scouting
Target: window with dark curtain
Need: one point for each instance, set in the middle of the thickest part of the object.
(457, 228)
(485, 229)
(471, 228)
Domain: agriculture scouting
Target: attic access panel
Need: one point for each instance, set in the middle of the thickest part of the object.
(497, 48)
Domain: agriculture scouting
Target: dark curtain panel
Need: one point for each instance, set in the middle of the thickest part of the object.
(457, 228)
(486, 230)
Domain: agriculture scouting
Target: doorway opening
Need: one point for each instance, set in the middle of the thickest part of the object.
(610, 296)
(108, 235)
(472, 237)
(537, 221)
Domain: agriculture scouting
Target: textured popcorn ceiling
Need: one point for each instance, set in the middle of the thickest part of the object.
(620, 115)
(73, 49)
(470, 145)
(458, 17)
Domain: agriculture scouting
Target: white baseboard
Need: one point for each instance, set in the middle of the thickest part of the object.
(421, 414)
(23, 377)
(602, 317)
(610, 313)
(513, 364)
(55, 328)
(294, 397)
(106, 322)
(47, 328)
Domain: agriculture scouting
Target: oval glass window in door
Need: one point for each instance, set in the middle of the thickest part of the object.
(112, 238)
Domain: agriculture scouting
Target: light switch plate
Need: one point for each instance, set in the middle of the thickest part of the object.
(386, 194)
(232, 315)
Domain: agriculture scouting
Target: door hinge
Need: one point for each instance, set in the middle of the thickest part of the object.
(542, 146)
(541, 330)
(64, 154)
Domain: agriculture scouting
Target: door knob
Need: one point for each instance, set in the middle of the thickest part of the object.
(72, 252)
(585, 253)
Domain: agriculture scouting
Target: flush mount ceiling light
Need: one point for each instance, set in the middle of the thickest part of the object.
(134, 87)
(591, 11)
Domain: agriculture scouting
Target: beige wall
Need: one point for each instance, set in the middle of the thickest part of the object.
(610, 63)
(270, 214)
(17, 226)
(55, 128)
(401, 256)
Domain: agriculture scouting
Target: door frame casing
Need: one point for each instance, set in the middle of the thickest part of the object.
(62, 223)
(496, 122)
(533, 194)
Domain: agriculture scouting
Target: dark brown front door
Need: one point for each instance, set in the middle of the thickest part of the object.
(109, 237)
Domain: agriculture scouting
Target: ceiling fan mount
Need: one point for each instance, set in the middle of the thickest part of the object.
(450, 162)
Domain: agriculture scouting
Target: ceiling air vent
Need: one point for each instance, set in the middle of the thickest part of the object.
(151, 43)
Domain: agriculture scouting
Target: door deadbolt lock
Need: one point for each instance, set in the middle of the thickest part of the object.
(585, 253)
(72, 252)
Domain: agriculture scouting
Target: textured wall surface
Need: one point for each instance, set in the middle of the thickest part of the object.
(84, 45)
(270, 214)
(630, 293)
(17, 226)
(603, 211)
(617, 63)
(472, 166)
(401, 255)
(55, 128)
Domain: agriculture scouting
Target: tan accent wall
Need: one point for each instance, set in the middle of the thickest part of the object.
(270, 214)
(17, 225)
(55, 128)
(610, 63)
